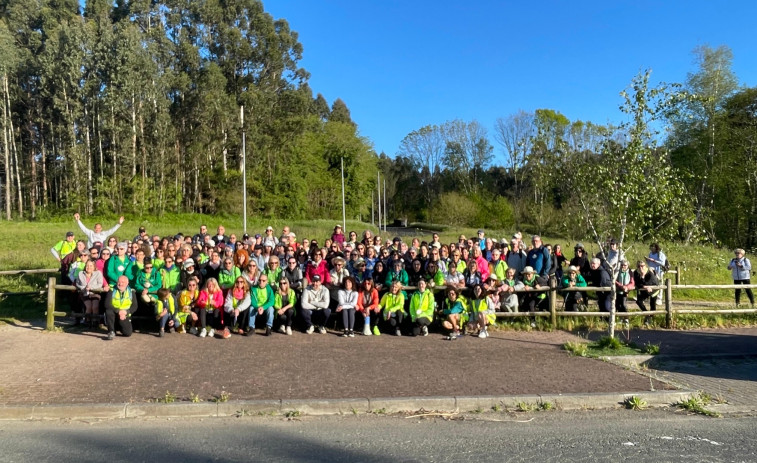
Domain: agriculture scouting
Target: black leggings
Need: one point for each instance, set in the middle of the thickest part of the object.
(286, 318)
(748, 291)
(419, 322)
(620, 302)
(207, 318)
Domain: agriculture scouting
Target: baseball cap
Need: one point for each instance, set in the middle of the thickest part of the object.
(69, 234)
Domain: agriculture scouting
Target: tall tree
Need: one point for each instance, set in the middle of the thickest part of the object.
(693, 140)
(467, 152)
(425, 148)
(631, 190)
(515, 134)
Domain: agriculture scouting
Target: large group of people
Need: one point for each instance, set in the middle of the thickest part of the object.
(218, 285)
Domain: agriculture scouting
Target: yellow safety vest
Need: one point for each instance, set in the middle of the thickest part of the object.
(171, 306)
(121, 300)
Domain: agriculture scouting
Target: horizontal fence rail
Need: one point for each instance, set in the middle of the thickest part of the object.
(553, 293)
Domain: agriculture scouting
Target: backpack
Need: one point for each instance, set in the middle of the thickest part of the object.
(666, 266)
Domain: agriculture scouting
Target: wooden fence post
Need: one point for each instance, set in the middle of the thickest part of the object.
(668, 304)
(678, 274)
(51, 282)
(553, 301)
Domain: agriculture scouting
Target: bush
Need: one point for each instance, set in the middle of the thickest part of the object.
(474, 211)
(454, 209)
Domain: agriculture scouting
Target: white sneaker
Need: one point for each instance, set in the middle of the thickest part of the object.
(366, 330)
(289, 330)
(212, 332)
(322, 330)
(203, 333)
(282, 329)
(483, 334)
(424, 330)
(310, 329)
(398, 332)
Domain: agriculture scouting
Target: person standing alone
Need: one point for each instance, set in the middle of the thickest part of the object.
(741, 270)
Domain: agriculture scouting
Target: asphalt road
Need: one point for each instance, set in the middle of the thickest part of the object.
(648, 436)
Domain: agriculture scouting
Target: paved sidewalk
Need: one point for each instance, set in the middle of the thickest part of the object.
(722, 363)
(79, 367)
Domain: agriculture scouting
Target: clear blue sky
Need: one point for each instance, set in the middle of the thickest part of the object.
(400, 65)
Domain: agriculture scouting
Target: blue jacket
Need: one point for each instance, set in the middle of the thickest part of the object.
(540, 260)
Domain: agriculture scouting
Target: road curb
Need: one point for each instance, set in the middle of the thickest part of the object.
(461, 404)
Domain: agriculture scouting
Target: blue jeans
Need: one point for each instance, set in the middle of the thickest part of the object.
(268, 313)
(164, 320)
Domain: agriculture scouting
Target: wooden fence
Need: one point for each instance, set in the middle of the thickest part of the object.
(553, 296)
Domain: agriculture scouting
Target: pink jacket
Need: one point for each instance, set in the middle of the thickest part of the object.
(321, 269)
(483, 267)
(210, 302)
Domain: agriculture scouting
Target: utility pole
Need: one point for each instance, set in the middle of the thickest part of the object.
(378, 186)
(244, 172)
(344, 211)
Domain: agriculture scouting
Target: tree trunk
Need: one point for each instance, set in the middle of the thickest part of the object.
(143, 151)
(33, 190)
(142, 144)
(15, 151)
(177, 192)
(6, 152)
(73, 155)
(44, 164)
(100, 145)
(133, 139)
(90, 200)
(196, 196)
(224, 150)
(116, 173)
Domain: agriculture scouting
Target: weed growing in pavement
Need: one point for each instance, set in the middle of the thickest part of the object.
(194, 398)
(242, 412)
(545, 406)
(379, 411)
(293, 414)
(525, 407)
(354, 410)
(224, 397)
(651, 349)
(477, 410)
(635, 403)
(169, 398)
(697, 404)
(579, 349)
(497, 408)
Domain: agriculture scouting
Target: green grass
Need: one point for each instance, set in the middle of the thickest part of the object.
(697, 405)
(26, 245)
(605, 346)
